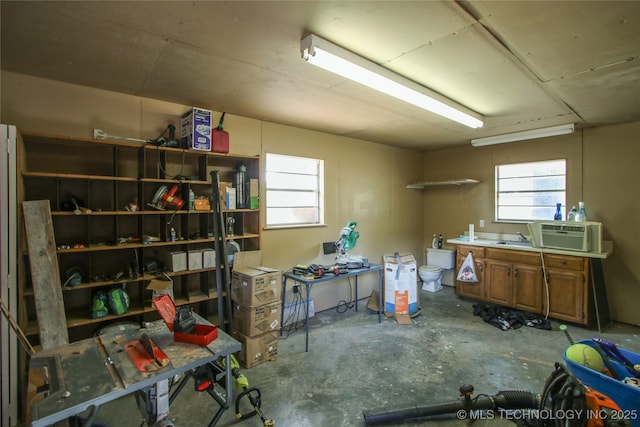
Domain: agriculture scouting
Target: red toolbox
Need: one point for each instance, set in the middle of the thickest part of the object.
(203, 334)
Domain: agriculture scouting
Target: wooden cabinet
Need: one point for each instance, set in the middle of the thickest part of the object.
(514, 279)
(123, 240)
(567, 279)
(475, 290)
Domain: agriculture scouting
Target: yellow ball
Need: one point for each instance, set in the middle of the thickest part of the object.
(585, 355)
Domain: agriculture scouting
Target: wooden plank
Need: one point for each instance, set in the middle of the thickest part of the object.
(45, 274)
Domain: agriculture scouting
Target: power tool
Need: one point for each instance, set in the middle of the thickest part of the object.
(165, 198)
(562, 394)
(252, 394)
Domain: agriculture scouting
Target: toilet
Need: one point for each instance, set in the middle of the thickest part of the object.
(438, 260)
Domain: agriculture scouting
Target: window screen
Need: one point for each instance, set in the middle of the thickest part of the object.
(530, 191)
(294, 190)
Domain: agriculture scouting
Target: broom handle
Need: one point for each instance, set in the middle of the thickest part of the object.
(21, 336)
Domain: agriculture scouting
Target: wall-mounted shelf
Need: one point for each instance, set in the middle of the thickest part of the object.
(422, 185)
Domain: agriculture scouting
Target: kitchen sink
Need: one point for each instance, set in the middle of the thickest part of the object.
(515, 243)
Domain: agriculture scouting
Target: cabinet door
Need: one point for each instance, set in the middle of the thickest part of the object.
(566, 295)
(498, 282)
(527, 288)
(473, 290)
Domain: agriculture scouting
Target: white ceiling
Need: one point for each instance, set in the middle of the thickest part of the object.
(523, 65)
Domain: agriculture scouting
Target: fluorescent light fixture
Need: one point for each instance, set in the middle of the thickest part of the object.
(523, 136)
(338, 60)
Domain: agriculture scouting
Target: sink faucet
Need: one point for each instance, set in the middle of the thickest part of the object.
(522, 236)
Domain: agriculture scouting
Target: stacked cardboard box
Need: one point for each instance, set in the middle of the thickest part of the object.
(257, 308)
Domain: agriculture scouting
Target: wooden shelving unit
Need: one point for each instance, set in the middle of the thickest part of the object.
(105, 176)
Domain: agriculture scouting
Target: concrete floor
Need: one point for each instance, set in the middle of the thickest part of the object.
(356, 365)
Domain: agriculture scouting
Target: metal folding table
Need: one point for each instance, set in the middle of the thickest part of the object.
(330, 277)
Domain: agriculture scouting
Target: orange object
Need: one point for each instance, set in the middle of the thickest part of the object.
(201, 204)
(598, 404)
(142, 359)
(402, 302)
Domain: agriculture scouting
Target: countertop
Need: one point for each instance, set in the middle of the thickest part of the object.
(494, 243)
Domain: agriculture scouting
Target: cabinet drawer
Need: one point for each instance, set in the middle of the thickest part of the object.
(564, 261)
(514, 256)
(463, 251)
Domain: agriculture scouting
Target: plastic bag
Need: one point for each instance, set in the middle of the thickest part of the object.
(99, 305)
(467, 271)
(118, 301)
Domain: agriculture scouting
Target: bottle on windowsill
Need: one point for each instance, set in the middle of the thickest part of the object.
(581, 216)
(571, 216)
(558, 215)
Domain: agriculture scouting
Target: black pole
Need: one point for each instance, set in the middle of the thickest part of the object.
(223, 277)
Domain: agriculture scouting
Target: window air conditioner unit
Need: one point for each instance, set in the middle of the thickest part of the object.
(573, 236)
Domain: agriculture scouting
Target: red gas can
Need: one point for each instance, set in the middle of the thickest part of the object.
(220, 138)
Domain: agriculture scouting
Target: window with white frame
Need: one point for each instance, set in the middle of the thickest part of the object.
(530, 191)
(294, 191)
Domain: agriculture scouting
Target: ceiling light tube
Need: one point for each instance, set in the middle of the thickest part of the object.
(523, 136)
(331, 57)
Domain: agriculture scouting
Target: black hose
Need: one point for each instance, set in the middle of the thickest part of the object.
(510, 399)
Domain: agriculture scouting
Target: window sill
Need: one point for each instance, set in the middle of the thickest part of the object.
(288, 226)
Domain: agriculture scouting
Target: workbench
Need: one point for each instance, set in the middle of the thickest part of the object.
(86, 374)
(308, 282)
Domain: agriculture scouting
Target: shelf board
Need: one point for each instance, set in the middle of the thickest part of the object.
(79, 319)
(150, 211)
(78, 176)
(457, 182)
(67, 140)
(243, 236)
(105, 247)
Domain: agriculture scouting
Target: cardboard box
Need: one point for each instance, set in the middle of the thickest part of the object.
(252, 321)
(196, 129)
(177, 261)
(195, 259)
(160, 286)
(253, 284)
(208, 258)
(201, 204)
(254, 194)
(258, 349)
(400, 284)
(230, 198)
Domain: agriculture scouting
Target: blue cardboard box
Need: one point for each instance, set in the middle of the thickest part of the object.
(196, 129)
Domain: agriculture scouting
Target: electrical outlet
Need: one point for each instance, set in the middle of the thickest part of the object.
(482, 223)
